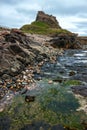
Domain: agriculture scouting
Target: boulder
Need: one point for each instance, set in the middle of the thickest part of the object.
(67, 41)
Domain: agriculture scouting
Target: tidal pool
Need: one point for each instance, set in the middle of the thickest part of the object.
(55, 107)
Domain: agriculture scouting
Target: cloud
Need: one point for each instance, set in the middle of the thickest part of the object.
(71, 14)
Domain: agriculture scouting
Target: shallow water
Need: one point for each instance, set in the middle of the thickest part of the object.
(55, 105)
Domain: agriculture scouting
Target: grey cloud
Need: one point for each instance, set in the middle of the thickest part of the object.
(10, 2)
(63, 8)
(81, 24)
(26, 12)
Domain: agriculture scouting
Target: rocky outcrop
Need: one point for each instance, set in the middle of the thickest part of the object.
(83, 41)
(49, 19)
(16, 52)
(67, 41)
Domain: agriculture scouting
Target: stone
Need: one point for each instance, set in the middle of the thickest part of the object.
(71, 73)
(82, 90)
(23, 91)
(66, 41)
(57, 127)
(49, 19)
(29, 98)
(15, 53)
(50, 81)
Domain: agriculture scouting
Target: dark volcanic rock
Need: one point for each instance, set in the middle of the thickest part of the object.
(49, 19)
(82, 90)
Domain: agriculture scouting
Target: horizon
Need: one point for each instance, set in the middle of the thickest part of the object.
(71, 15)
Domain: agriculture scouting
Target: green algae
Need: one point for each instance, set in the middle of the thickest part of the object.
(53, 104)
(72, 82)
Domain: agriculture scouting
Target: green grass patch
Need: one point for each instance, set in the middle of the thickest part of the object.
(42, 28)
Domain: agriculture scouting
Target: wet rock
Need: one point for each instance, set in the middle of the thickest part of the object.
(5, 76)
(59, 79)
(39, 125)
(8, 85)
(1, 82)
(82, 90)
(71, 73)
(23, 91)
(5, 123)
(57, 127)
(29, 98)
(3, 92)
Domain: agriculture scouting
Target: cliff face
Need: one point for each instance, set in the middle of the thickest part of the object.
(49, 19)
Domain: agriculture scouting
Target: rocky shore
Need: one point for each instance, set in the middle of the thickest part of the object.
(22, 56)
(43, 79)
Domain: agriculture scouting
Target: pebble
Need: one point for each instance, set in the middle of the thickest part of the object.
(50, 81)
(24, 77)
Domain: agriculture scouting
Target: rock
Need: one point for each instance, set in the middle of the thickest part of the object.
(59, 79)
(1, 82)
(49, 19)
(16, 52)
(3, 92)
(83, 41)
(5, 122)
(29, 98)
(23, 91)
(66, 41)
(8, 85)
(71, 73)
(57, 127)
(82, 90)
(50, 81)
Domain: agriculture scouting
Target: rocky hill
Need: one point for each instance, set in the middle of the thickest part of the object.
(45, 25)
(48, 19)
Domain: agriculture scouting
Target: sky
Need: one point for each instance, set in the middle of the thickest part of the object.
(71, 14)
